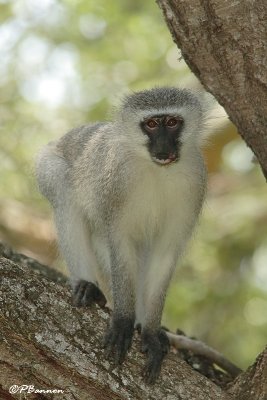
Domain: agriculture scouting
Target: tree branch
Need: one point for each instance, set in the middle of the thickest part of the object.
(198, 347)
(224, 44)
(252, 384)
(48, 343)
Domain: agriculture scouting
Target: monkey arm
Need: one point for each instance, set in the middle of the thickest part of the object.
(119, 334)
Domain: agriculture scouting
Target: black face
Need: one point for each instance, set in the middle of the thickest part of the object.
(163, 132)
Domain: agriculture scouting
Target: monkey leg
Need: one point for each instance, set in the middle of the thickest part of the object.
(73, 231)
(86, 293)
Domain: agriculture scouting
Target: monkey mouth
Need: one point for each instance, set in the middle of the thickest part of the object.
(165, 159)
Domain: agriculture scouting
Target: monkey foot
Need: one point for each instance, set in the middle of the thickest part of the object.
(86, 293)
(118, 338)
(156, 345)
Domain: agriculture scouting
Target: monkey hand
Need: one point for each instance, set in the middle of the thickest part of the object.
(118, 338)
(86, 293)
(156, 345)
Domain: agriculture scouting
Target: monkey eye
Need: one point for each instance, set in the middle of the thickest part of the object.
(151, 124)
(173, 122)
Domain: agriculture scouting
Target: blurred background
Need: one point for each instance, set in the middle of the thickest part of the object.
(64, 63)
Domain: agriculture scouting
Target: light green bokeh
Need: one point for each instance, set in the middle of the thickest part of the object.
(64, 63)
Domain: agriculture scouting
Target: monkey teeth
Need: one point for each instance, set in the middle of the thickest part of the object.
(163, 162)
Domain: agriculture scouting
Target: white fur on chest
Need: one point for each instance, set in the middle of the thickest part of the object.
(163, 198)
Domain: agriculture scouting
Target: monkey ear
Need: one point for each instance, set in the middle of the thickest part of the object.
(207, 101)
(215, 120)
(213, 114)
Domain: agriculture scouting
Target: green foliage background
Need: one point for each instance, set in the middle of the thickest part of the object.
(67, 62)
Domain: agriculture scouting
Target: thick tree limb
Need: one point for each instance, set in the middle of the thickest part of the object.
(253, 383)
(176, 340)
(48, 343)
(224, 44)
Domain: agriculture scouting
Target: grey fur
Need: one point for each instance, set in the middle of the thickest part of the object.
(160, 98)
(123, 221)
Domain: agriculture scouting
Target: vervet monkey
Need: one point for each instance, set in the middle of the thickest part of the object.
(126, 197)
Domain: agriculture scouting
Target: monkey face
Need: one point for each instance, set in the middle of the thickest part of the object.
(163, 132)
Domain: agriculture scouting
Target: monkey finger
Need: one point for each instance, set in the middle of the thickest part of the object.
(116, 346)
(151, 371)
(118, 339)
(86, 293)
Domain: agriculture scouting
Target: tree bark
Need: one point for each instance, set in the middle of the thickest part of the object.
(253, 383)
(224, 44)
(49, 344)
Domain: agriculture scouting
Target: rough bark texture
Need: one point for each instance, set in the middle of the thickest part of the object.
(253, 383)
(224, 42)
(48, 343)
